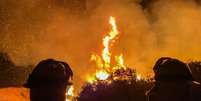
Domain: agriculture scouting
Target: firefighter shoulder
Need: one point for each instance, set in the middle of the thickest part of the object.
(173, 82)
(49, 73)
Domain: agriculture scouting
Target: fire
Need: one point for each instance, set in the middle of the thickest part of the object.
(138, 77)
(106, 54)
(102, 75)
(120, 62)
(103, 61)
(70, 94)
(91, 79)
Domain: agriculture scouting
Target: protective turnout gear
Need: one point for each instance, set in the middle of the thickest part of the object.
(49, 80)
(173, 82)
(168, 68)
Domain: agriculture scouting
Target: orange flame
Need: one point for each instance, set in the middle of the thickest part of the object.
(106, 54)
(70, 94)
(103, 61)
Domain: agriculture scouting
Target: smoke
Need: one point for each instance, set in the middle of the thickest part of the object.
(71, 30)
(176, 25)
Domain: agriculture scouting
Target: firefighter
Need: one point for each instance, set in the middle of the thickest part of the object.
(173, 82)
(49, 81)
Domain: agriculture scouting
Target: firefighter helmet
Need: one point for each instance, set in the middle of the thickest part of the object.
(171, 69)
(49, 72)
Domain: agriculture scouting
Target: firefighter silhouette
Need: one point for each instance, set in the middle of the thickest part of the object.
(49, 81)
(173, 82)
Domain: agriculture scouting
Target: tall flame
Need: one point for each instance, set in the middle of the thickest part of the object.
(106, 54)
(104, 61)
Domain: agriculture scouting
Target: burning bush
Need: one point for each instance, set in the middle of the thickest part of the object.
(113, 81)
(122, 85)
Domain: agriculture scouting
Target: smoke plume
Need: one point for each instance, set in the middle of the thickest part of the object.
(71, 30)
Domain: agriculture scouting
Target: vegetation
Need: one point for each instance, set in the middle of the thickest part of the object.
(123, 86)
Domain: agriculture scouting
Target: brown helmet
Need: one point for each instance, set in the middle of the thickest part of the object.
(171, 69)
(49, 73)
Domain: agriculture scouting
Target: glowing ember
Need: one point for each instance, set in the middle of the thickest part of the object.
(70, 94)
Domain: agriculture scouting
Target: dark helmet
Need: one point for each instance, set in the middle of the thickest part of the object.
(49, 73)
(171, 69)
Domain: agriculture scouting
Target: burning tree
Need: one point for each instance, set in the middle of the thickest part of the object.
(113, 81)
